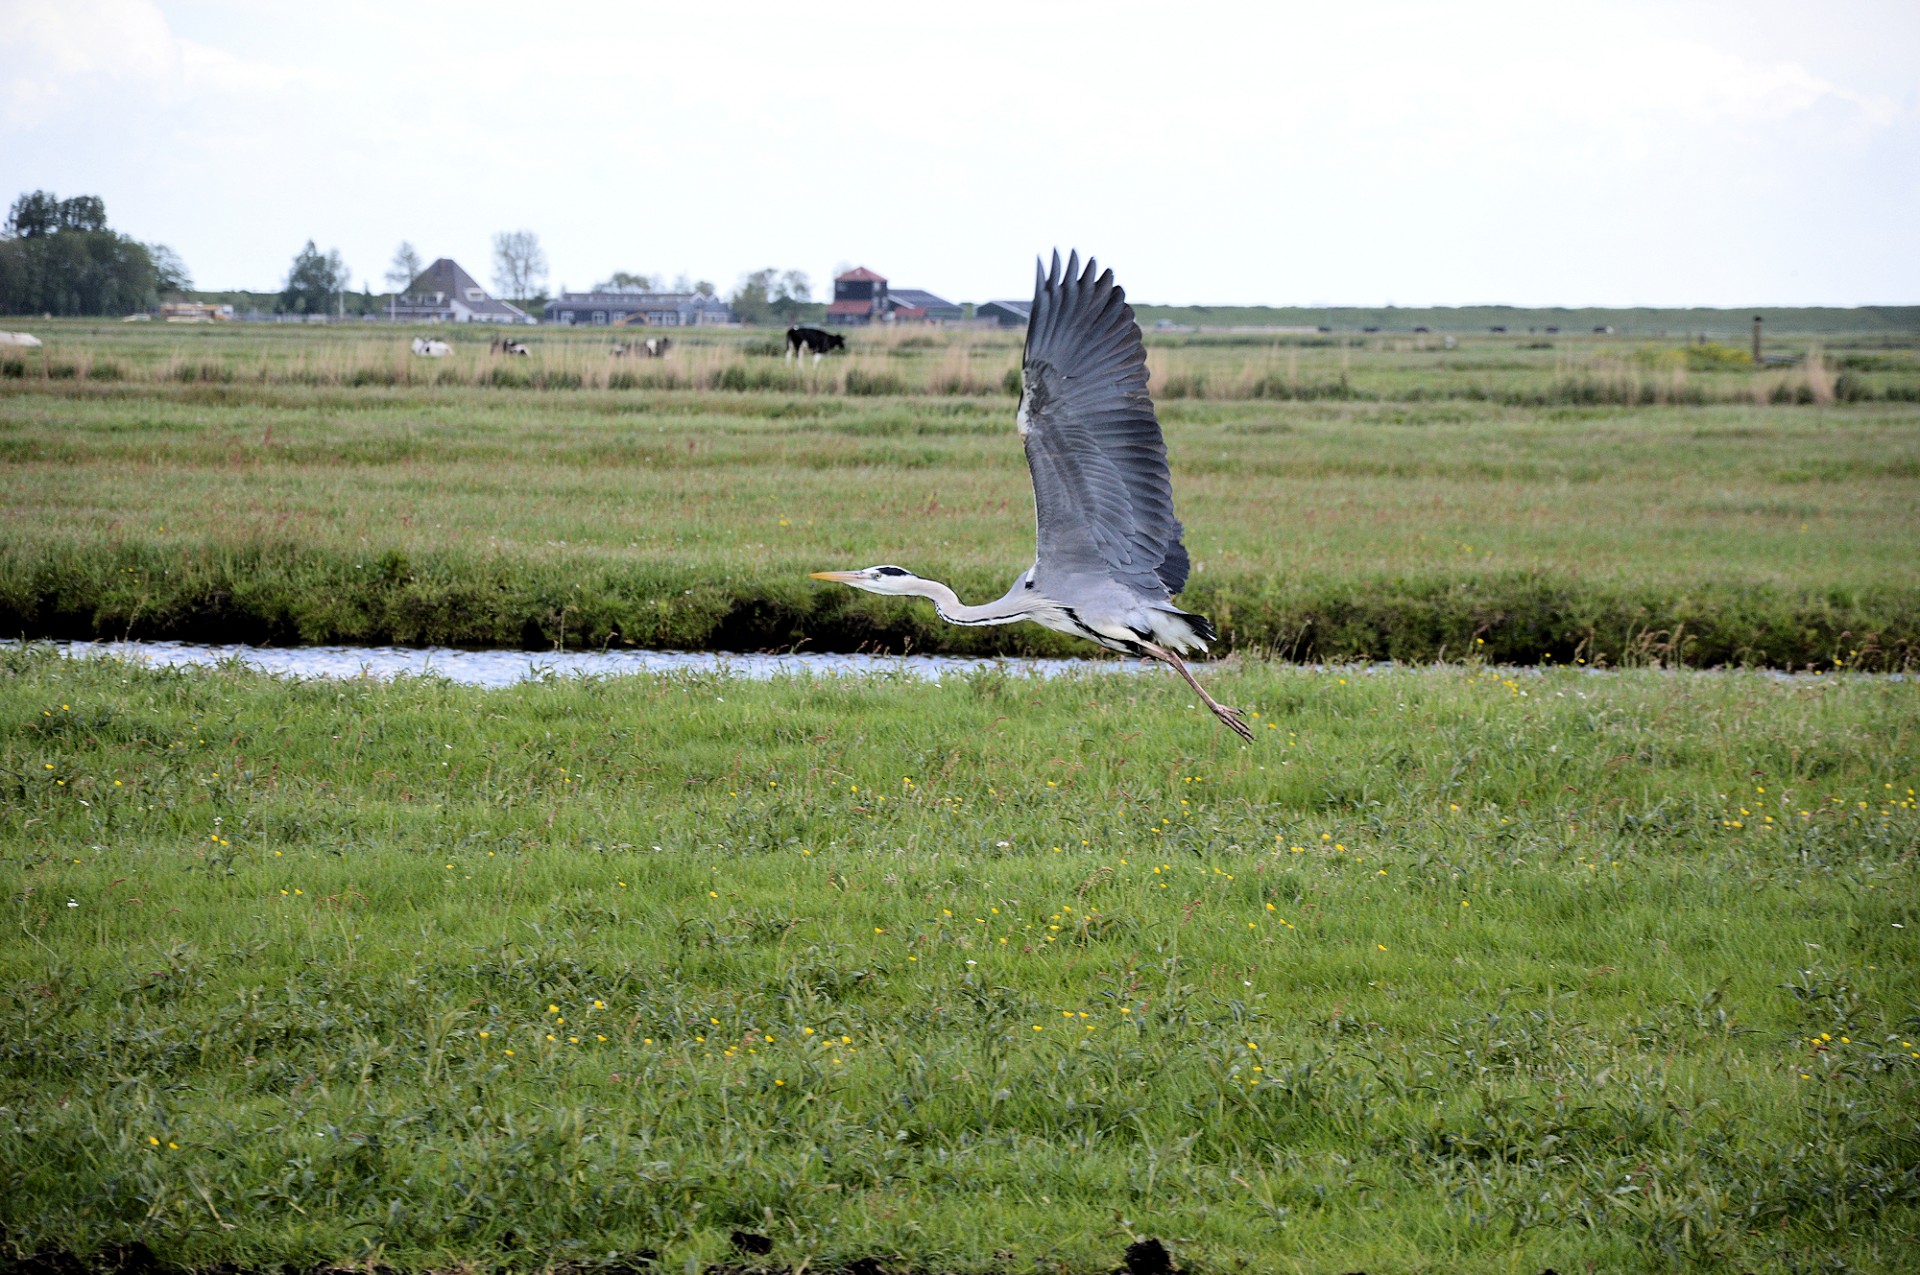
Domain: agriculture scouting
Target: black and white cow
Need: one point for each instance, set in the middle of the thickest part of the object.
(815, 340)
(653, 347)
(507, 345)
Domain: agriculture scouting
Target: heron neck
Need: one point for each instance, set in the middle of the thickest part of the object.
(1006, 610)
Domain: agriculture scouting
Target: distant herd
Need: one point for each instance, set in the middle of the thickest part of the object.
(800, 341)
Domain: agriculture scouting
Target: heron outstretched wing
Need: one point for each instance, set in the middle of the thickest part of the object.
(1102, 496)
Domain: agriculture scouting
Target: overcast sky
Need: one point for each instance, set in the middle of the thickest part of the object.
(1738, 154)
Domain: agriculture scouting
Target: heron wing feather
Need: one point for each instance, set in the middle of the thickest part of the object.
(1102, 496)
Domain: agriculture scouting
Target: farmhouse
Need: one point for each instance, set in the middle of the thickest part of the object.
(194, 312)
(911, 303)
(861, 296)
(628, 309)
(444, 293)
(1008, 314)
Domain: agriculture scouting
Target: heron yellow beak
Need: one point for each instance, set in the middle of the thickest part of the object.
(838, 577)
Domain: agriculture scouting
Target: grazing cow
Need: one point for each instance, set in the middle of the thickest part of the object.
(815, 340)
(431, 347)
(27, 339)
(652, 348)
(507, 345)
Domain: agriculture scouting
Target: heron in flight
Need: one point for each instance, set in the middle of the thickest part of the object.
(1109, 558)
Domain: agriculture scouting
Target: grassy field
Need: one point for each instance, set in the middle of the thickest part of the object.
(1455, 969)
(1444, 501)
(1519, 368)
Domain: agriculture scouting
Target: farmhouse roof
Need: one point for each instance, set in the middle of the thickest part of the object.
(918, 300)
(860, 274)
(1022, 308)
(445, 276)
(638, 298)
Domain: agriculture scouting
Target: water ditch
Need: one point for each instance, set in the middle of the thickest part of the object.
(497, 668)
(505, 668)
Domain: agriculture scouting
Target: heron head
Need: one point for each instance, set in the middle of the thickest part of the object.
(873, 579)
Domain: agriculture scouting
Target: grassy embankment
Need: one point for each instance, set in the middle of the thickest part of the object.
(1399, 499)
(1453, 969)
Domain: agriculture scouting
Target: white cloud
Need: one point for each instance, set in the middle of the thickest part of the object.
(1212, 151)
(66, 56)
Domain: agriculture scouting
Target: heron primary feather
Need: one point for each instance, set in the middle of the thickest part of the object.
(1109, 556)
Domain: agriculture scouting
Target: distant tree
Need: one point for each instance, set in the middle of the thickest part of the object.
(37, 213)
(170, 273)
(621, 281)
(406, 266)
(519, 266)
(43, 213)
(83, 212)
(793, 292)
(313, 281)
(769, 295)
(57, 256)
(752, 299)
(704, 287)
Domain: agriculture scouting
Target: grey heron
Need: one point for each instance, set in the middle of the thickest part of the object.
(1109, 558)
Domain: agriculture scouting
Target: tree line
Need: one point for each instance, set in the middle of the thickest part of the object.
(59, 256)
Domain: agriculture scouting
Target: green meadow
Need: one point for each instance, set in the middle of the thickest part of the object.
(1454, 969)
(1612, 501)
(1544, 947)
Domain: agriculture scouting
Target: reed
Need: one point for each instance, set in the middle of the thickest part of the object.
(948, 363)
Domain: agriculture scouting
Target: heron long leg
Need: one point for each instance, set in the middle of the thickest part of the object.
(1234, 719)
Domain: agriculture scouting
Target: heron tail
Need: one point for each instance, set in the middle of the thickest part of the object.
(1185, 631)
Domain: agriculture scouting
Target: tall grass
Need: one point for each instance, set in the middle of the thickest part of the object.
(1226, 367)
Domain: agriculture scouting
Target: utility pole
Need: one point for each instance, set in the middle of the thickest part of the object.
(1756, 340)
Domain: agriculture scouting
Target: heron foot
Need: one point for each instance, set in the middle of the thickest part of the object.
(1232, 718)
(1235, 720)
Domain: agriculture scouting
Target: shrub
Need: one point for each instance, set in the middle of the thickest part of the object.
(1274, 385)
(1714, 356)
(873, 384)
(1849, 388)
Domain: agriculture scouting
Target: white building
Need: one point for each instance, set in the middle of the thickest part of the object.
(444, 293)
